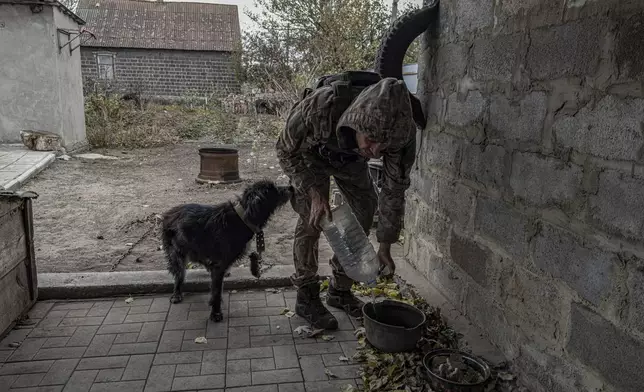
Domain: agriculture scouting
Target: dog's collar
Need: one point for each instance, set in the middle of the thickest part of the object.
(242, 215)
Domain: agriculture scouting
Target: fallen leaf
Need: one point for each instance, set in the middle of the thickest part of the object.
(360, 332)
(315, 333)
(285, 310)
(328, 338)
(14, 345)
(329, 373)
(201, 340)
(348, 388)
(289, 314)
(391, 293)
(343, 359)
(129, 300)
(506, 376)
(378, 383)
(303, 329)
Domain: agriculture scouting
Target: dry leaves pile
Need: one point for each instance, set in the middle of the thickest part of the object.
(404, 372)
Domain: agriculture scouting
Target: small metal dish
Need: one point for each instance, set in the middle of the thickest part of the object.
(440, 384)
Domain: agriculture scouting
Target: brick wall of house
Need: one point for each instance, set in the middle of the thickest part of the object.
(164, 73)
(527, 203)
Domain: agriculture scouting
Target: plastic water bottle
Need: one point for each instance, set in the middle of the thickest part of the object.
(351, 245)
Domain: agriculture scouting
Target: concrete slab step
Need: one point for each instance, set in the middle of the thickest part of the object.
(18, 165)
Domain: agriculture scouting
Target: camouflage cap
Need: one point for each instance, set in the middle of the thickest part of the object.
(382, 111)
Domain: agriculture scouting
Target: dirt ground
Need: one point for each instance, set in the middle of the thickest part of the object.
(102, 215)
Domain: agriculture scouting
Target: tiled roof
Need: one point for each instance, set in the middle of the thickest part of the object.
(161, 25)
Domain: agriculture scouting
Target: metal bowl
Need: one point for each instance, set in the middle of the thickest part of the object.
(393, 326)
(440, 384)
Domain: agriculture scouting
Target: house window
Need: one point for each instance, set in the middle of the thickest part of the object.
(105, 63)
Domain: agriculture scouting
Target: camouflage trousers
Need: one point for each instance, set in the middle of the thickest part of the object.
(356, 186)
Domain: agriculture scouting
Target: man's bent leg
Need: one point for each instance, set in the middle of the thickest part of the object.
(305, 253)
(305, 257)
(358, 190)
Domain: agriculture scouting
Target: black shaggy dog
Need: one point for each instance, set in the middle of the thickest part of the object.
(216, 236)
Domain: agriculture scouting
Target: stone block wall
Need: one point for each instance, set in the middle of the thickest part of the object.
(164, 73)
(527, 202)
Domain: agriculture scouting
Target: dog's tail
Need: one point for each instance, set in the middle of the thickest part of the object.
(254, 264)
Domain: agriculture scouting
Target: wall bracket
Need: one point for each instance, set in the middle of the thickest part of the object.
(66, 37)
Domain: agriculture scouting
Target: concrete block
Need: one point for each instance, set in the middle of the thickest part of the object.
(465, 112)
(473, 258)
(512, 15)
(484, 164)
(587, 271)
(635, 284)
(543, 180)
(494, 57)
(473, 15)
(498, 222)
(441, 150)
(445, 276)
(597, 343)
(446, 197)
(618, 206)
(451, 61)
(547, 373)
(435, 227)
(540, 320)
(629, 46)
(488, 315)
(522, 121)
(611, 129)
(433, 104)
(551, 56)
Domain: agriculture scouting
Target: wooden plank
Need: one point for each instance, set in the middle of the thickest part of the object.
(32, 275)
(8, 204)
(13, 249)
(14, 296)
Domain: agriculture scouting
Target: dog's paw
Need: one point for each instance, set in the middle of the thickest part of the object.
(216, 317)
(176, 298)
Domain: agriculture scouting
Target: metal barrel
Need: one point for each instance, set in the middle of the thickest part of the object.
(218, 166)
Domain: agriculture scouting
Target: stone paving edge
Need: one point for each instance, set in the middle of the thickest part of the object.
(17, 182)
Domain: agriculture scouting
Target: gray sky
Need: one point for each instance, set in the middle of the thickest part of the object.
(242, 5)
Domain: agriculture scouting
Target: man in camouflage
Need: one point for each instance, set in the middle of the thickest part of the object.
(328, 136)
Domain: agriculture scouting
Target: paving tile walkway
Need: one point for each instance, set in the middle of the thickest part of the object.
(18, 164)
(149, 345)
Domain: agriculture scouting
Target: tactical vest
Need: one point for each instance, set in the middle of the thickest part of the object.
(346, 87)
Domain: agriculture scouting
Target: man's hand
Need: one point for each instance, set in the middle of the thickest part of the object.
(386, 261)
(319, 209)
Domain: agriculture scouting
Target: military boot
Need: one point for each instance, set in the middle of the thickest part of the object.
(345, 300)
(309, 306)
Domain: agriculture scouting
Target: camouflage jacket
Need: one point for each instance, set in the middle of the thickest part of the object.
(383, 112)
